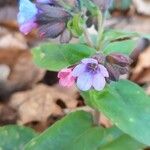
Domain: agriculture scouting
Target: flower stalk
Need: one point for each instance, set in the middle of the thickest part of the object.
(100, 30)
(87, 37)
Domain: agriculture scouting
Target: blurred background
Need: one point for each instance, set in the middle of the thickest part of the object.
(30, 95)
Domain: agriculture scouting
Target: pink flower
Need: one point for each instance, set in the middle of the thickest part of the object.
(65, 77)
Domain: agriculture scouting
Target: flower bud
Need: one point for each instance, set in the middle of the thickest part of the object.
(100, 58)
(119, 59)
(123, 70)
(113, 72)
(65, 36)
(52, 30)
(65, 77)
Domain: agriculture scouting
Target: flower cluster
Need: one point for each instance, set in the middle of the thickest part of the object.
(95, 72)
(52, 17)
(49, 16)
(88, 74)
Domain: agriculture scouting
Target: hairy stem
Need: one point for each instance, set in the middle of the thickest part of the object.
(87, 38)
(100, 30)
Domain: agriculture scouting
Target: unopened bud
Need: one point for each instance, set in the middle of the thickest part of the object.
(119, 59)
(65, 36)
(52, 30)
(100, 58)
(113, 72)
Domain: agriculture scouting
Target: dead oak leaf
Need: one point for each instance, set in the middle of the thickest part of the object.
(23, 72)
(39, 103)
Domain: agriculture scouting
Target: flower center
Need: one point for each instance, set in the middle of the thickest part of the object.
(92, 68)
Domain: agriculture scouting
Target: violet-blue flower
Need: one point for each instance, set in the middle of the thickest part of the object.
(90, 74)
(26, 16)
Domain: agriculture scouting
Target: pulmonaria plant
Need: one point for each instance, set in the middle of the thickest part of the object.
(94, 63)
(51, 18)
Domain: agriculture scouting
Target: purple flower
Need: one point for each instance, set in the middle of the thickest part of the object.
(90, 74)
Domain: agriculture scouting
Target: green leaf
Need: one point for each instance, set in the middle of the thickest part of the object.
(114, 139)
(75, 25)
(63, 133)
(90, 6)
(125, 47)
(126, 105)
(147, 36)
(77, 132)
(98, 138)
(112, 35)
(55, 57)
(14, 137)
(123, 142)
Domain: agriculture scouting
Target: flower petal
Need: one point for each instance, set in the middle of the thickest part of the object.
(71, 81)
(103, 71)
(67, 82)
(64, 72)
(27, 27)
(27, 11)
(79, 69)
(99, 82)
(84, 81)
(89, 60)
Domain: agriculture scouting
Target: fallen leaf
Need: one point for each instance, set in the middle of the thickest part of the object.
(7, 115)
(141, 73)
(24, 73)
(142, 6)
(40, 103)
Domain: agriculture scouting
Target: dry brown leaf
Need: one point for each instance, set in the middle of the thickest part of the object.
(67, 95)
(8, 13)
(40, 103)
(130, 24)
(11, 38)
(142, 6)
(23, 74)
(7, 115)
(141, 73)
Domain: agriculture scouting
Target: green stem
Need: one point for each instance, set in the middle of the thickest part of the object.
(97, 117)
(100, 30)
(64, 5)
(87, 37)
